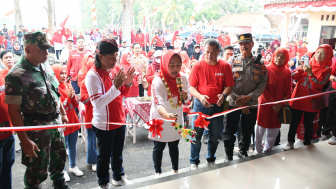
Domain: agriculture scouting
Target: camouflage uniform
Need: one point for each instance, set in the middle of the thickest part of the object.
(25, 85)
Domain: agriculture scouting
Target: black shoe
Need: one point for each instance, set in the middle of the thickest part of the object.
(220, 136)
(242, 154)
(228, 158)
(205, 139)
(60, 184)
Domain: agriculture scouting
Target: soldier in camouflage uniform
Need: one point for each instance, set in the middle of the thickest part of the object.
(32, 98)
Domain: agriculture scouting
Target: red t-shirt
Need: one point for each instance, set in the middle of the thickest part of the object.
(75, 61)
(3, 73)
(4, 116)
(211, 80)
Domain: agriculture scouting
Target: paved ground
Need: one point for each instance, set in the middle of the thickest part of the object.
(138, 161)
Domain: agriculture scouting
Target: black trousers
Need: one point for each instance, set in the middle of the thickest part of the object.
(58, 54)
(330, 120)
(322, 121)
(308, 124)
(158, 152)
(111, 145)
(247, 128)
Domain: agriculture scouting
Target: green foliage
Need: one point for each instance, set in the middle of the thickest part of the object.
(218, 8)
(173, 13)
(208, 14)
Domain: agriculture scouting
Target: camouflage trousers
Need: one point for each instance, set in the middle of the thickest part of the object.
(52, 153)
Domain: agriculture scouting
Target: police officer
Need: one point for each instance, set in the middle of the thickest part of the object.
(250, 77)
(33, 100)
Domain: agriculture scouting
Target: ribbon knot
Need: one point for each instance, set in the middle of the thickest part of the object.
(201, 122)
(155, 127)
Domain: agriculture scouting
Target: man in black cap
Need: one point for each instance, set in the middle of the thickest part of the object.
(250, 77)
(33, 100)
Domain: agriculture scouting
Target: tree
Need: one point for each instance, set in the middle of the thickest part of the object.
(127, 19)
(18, 15)
(172, 12)
(50, 11)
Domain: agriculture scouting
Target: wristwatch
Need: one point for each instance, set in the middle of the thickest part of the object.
(129, 84)
(225, 96)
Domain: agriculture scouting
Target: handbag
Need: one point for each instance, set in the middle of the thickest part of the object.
(285, 114)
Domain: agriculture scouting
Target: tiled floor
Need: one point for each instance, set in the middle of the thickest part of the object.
(311, 167)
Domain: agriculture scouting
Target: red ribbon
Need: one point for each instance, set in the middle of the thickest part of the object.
(155, 127)
(201, 122)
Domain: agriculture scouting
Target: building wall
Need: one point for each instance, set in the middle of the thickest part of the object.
(314, 27)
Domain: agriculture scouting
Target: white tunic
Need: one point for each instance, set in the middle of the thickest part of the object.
(160, 97)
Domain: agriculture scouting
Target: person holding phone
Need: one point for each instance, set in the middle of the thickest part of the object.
(311, 78)
(167, 103)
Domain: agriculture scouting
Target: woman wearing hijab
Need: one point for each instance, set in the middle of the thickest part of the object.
(167, 103)
(292, 64)
(185, 62)
(17, 51)
(153, 69)
(330, 119)
(310, 80)
(106, 90)
(70, 102)
(82, 72)
(278, 88)
(125, 64)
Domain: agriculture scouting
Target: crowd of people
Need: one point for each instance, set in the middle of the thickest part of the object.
(193, 75)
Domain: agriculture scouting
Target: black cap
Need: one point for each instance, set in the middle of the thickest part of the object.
(245, 37)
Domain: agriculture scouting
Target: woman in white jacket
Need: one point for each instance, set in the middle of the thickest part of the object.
(167, 103)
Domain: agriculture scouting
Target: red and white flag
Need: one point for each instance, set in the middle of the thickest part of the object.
(152, 13)
(93, 14)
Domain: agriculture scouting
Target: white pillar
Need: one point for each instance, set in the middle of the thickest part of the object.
(284, 31)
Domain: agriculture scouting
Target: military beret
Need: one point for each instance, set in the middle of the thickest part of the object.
(37, 38)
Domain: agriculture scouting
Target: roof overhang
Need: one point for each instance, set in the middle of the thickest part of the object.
(314, 6)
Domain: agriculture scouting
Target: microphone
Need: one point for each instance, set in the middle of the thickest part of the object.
(179, 85)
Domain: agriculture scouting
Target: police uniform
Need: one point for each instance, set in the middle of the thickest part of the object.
(35, 88)
(250, 77)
